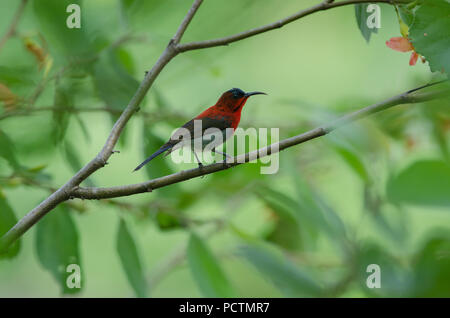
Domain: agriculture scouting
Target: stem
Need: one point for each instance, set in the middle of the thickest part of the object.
(70, 188)
(112, 192)
(64, 193)
(325, 5)
(15, 21)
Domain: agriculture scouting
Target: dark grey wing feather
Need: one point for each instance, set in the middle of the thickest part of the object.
(206, 123)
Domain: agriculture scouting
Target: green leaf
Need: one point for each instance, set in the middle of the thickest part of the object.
(373, 202)
(7, 221)
(125, 7)
(315, 215)
(129, 257)
(7, 150)
(167, 221)
(128, 4)
(423, 183)
(37, 169)
(285, 234)
(394, 123)
(314, 210)
(83, 127)
(206, 271)
(438, 112)
(353, 160)
(74, 161)
(290, 279)
(51, 16)
(334, 223)
(285, 231)
(406, 14)
(57, 245)
(72, 156)
(114, 85)
(432, 267)
(430, 34)
(160, 101)
(361, 15)
(18, 76)
(62, 103)
(125, 59)
(230, 182)
(439, 136)
(395, 279)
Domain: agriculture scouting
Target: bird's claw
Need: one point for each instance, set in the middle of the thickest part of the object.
(200, 166)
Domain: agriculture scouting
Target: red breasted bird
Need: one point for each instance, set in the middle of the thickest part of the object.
(226, 113)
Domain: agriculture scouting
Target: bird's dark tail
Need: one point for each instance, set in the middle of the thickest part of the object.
(157, 153)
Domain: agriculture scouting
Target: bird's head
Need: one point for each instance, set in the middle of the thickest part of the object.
(234, 99)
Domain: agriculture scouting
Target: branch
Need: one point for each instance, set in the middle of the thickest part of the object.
(410, 96)
(79, 61)
(76, 110)
(64, 193)
(173, 48)
(325, 5)
(12, 28)
(183, 26)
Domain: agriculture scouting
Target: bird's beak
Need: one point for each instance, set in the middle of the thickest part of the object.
(254, 93)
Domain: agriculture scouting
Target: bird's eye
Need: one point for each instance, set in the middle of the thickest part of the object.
(237, 93)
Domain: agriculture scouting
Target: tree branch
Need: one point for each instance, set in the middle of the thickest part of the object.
(187, 19)
(325, 5)
(12, 28)
(112, 192)
(76, 110)
(64, 193)
(173, 48)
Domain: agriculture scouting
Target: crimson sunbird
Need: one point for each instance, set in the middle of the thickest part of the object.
(223, 117)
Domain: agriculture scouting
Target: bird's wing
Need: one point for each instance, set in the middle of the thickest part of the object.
(219, 122)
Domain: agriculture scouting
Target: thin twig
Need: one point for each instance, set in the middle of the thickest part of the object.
(15, 21)
(118, 191)
(64, 193)
(325, 5)
(70, 188)
(76, 62)
(188, 18)
(76, 110)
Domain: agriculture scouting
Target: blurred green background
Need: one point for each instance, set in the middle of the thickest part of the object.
(374, 192)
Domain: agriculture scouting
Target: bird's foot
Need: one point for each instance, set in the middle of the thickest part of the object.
(200, 166)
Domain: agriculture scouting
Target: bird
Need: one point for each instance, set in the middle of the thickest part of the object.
(225, 116)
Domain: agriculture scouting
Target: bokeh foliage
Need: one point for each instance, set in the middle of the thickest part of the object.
(375, 192)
